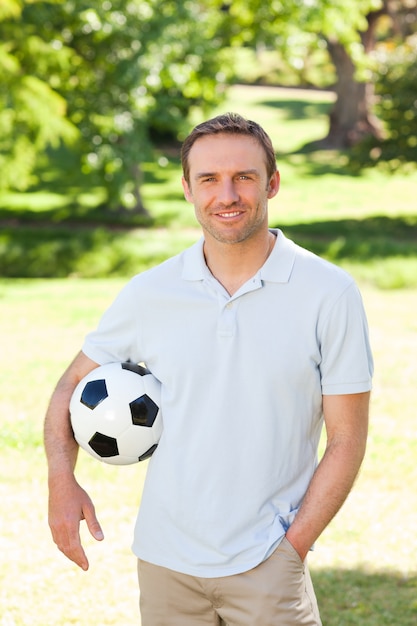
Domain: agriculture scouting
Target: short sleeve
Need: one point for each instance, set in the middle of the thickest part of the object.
(116, 337)
(346, 358)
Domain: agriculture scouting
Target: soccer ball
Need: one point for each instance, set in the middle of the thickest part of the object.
(115, 413)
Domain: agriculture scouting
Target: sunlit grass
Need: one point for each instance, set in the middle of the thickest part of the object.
(364, 566)
(63, 231)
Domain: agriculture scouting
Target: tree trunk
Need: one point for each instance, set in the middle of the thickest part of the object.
(138, 208)
(351, 118)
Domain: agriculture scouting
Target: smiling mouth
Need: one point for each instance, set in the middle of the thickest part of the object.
(229, 214)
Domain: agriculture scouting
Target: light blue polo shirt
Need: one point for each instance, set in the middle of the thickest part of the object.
(242, 382)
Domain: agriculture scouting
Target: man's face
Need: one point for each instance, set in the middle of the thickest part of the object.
(229, 186)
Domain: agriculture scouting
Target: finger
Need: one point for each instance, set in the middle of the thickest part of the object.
(78, 556)
(69, 543)
(92, 522)
(74, 552)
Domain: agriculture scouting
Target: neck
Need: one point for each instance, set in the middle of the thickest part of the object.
(233, 264)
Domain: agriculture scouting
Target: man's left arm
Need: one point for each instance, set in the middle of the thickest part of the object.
(346, 421)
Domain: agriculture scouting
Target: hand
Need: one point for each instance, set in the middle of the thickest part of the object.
(301, 549)
(68, 505)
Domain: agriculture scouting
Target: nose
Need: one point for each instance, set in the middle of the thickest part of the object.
(227, 192)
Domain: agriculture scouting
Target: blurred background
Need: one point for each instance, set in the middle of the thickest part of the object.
(95, 99)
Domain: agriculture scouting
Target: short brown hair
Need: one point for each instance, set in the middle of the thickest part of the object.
(234, 124)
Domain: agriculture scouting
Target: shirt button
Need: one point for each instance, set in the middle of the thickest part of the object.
(229, 305)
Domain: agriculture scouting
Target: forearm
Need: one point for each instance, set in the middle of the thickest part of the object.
(68, 502)
(60, 446)
(346, 419)
(328, 490)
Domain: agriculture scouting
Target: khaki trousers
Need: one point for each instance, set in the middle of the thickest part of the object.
(278, 592)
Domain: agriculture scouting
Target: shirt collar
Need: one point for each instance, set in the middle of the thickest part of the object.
(277, 268)
(194, 267)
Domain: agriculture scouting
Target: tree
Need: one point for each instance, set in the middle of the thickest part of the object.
(119, 68)
(397, 108)
(32, 113)
(345, 27)
(395, 87)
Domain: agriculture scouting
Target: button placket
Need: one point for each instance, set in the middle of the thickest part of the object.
(227, 319)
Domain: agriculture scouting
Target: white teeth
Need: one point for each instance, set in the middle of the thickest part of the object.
(234, 214)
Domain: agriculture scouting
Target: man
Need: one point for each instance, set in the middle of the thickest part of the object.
(255, 342)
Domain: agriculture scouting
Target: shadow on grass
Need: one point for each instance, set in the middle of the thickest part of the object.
(360, 598)
(47, 252)
(358, 240)
(299, 109)
(62, 194)
(63, 250)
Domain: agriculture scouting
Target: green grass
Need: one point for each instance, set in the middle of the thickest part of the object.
(267, 67)
(367, 223)
(364, 566)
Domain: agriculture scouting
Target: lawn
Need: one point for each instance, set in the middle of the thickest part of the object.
(366, 223)
(365, 564)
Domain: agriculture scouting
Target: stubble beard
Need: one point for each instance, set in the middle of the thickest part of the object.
(236, 235)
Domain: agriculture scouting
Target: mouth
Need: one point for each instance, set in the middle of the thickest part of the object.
(229, 214)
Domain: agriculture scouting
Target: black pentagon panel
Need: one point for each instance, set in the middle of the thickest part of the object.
(144, 411)
(93, 393)
(134, 367)
(149, 453)
(103, 445)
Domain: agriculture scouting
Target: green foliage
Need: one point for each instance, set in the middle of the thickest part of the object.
(350, 219)
(339, 18)
(298, 28)
(397, 108)
(10, 8)
(32, 113)
(112, 70)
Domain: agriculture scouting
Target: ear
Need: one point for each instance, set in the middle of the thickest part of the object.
(187, 191)
(273, 186)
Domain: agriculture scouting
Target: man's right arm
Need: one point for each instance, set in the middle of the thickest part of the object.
(68, 502)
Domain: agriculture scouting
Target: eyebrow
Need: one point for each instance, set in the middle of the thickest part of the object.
(252, 172)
